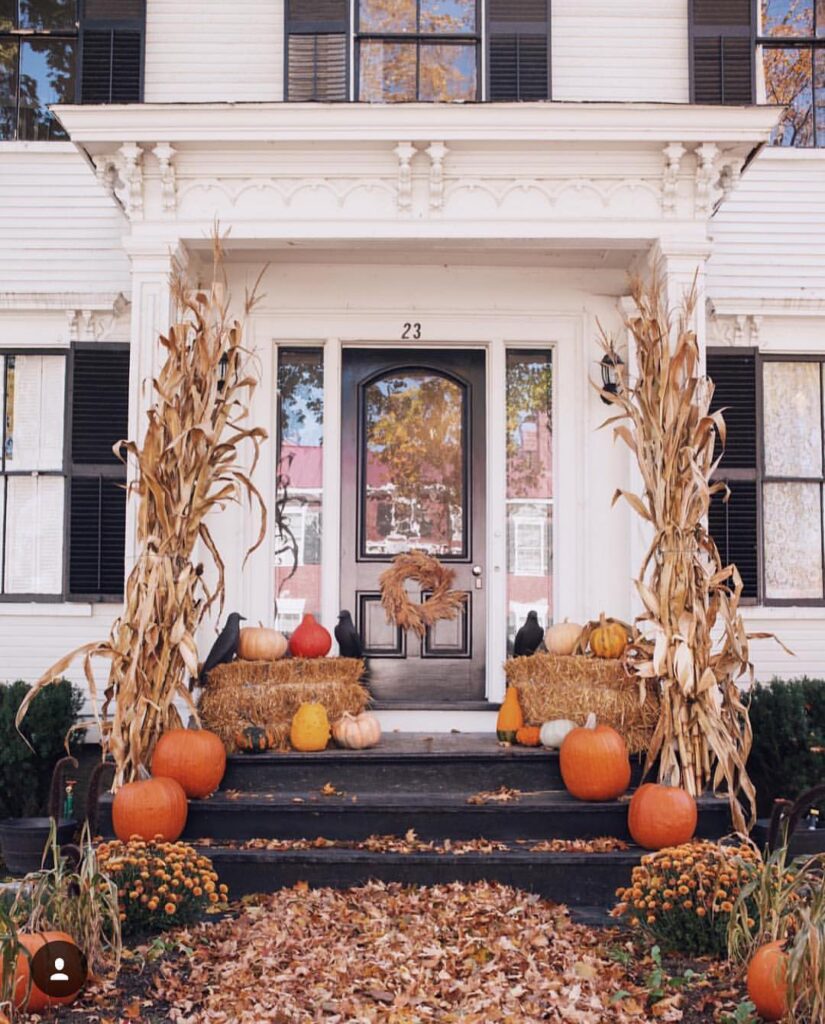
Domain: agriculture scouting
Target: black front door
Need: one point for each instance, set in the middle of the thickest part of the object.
(413, 477)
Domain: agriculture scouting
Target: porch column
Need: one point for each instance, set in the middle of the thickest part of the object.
(151, 315)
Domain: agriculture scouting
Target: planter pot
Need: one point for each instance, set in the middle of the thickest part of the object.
(23, 841)
(804, 842)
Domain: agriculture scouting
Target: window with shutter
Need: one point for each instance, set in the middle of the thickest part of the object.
(722, 42)
(518, 33)
(317, 52)
(97, 498)
(111, 43)
(734, 524)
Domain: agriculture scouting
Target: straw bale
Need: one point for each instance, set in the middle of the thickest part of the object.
(557, 686)
(286, 670)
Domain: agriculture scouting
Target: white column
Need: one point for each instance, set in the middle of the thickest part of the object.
(495, 569)
(331, 495)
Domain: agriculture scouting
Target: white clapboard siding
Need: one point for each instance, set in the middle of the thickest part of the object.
(769, 237)
(801, 630)
(59, 229)
(620, 50)
(197, 52)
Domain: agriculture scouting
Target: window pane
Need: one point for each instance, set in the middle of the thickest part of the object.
(52, 15)
(788, 82)
(819, 96)
(792, 419)
(387, 72)
(783, 18)
(34, 412)
(7, 12)
(529, 489)
(34, 535)
(299, 486)
(414, 464)
(448, 16)
(793, 541)
(8, 89)
(47, 75)
(448, 73)
(820, 17)
(387, 16)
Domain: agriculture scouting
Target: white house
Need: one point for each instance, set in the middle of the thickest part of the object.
(448, 196)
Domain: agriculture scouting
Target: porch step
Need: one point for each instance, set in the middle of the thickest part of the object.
(403, 763)
(547, 815)
(586, 880)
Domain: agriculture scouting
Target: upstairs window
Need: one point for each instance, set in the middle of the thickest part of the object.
(397, 51)
(792, 41)
(66, 51)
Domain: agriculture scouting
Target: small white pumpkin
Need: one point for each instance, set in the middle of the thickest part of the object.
(562, 637)
(356, 732)
(552, 733)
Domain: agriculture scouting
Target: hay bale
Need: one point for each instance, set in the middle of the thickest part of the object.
(287, 670)
(558, 686)
(262, 693)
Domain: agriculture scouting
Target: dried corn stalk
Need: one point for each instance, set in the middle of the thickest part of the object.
(695, 641)
(186, 468)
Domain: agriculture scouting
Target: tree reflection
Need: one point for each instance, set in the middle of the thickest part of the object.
(529, 398)
(789, 70)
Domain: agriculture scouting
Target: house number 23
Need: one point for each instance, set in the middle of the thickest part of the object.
(411, 332)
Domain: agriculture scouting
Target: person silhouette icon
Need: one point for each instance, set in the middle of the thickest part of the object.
(58, 974)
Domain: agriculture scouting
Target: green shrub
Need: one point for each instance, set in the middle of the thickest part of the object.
(25, 774)
(788, 755)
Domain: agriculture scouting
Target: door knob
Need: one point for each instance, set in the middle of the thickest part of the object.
(477, 570)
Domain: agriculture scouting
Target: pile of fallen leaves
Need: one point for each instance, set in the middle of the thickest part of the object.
(392, 953)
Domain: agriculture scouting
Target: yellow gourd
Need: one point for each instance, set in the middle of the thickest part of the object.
(510, 719)
(310, 728)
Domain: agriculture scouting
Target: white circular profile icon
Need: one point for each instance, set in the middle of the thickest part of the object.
(58, 974)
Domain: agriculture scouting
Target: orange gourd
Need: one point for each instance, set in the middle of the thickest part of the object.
(256, 643)
(310, 639)
(150, 809)
(529, 736)
(608, 639)
(594, 762)
(510, 718)
(661, 816)
(193, 757)
(768, 981)
(37, 999)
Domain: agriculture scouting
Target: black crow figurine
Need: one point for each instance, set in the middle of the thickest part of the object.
(349, 642)
(225, 646)
(529, 636)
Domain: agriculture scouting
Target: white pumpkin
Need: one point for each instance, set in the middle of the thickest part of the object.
(356, 732)
(562, 637)
(552, 733)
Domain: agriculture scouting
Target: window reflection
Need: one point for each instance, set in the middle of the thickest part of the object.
(47, 75)
(388, 72)
(448, 73)
(48, 15)
(414, 472)
(299, 485)
(789, 83)
(787, 17)
(529, 489)
(448, 16)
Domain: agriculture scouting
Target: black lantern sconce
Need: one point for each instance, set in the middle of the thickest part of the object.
(610, 376)
(223, 369)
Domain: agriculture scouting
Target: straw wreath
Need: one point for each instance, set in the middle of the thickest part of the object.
(186, 468)
(443, 602)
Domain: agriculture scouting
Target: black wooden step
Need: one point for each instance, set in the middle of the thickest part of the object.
(405, 762)
(577, 879)
(544, 815)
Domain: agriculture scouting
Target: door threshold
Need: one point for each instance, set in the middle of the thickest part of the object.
(424, 705)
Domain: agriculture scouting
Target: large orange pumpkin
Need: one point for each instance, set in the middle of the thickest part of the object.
(149, 809)
(37, 999)
(594, 762)
(193, 757)
(661, 816)
(768, 981)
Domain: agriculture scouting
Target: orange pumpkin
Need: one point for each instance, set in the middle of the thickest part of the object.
(149, 809)
(594, 762)
(529, 736)
(661, 816)
(608, 639)
(37, 999)
(768, 981)
(310, 639)
(510, 718)
(193, 757)
(256, 643)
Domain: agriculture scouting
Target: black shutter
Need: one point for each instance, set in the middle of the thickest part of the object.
(112, 33)
(519, 50)
(317, 50)
(722, 46)
(97, 496)
(734, 524)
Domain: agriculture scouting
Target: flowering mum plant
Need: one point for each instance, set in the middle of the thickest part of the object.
(683, 896)
(160, 885)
